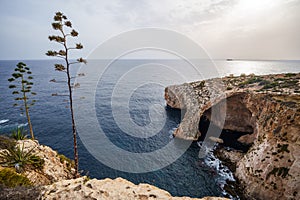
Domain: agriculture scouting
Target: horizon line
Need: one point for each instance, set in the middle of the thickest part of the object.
(223, 59)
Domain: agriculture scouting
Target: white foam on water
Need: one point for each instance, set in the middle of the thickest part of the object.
(2, 121)
(7, 124)
(22, 125)
(171, 133)
(223, 171)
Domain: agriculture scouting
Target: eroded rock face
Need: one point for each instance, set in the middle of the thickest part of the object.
(54, 182)
(183, 97)
(54, 169)
(186, 97)
(119, 189)
(271, 168)
(269, 107)
(238, 117)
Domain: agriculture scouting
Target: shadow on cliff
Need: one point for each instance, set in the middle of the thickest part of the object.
(230, 138)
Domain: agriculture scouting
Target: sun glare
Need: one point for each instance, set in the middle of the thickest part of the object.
(253, 7)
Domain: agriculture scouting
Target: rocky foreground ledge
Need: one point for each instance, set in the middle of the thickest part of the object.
(54, 181)
(107, 189)
(267, 109)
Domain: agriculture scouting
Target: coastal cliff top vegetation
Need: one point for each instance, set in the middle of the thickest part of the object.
(279, 83)
(283, 87)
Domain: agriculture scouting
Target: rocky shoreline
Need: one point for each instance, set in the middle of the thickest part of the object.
(54, 181)
(266, 109)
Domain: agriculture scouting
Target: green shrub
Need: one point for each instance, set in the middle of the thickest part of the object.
(6, 142)
(290, 74)
(271, 85)
(86, 179)
(264, 82)
(70, 163)
(9, 178)
(281, 171)
(19, 134)
(251, 81)
(254, 80)
(283, 148)
(279, 79)
(20, 159)
(289, 83)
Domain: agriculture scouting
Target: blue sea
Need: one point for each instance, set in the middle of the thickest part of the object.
(187, 176)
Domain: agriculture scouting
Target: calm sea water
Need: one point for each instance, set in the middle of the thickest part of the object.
(188, 176)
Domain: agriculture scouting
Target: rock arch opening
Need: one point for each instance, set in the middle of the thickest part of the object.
(238, 122)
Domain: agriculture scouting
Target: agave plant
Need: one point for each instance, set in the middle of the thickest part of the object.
(19, 159)
(22, 88)
(19, 134)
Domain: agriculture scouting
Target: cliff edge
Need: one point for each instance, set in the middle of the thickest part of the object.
(266, 109)
(107, 189)
(54, 181)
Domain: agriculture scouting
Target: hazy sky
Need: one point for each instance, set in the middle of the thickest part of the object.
(250, 29)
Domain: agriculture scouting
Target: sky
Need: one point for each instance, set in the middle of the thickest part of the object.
(241, 29)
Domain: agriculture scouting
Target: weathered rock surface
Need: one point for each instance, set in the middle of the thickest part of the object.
(267, 106)
(119, 189)
(186, 97)
(54, 182)
(24, 193)
(54, 168)
(271, 167)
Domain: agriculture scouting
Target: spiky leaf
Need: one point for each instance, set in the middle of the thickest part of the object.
(82, 60)
(68, 24)
(17, 75)
(62, 53)
(60, 67)
(79, 46)
(51, 53)
(74, 33)
(57, 26)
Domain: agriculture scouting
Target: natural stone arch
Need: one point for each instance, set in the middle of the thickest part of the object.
(238, 116)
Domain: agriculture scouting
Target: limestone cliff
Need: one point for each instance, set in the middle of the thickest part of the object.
(107, 189)
(54, 181)
(266, 107)
(56, 167)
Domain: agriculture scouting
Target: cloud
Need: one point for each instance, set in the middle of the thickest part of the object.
(227, 28)
(252, 29)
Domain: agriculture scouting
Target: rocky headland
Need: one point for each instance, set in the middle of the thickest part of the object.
(265, 109)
